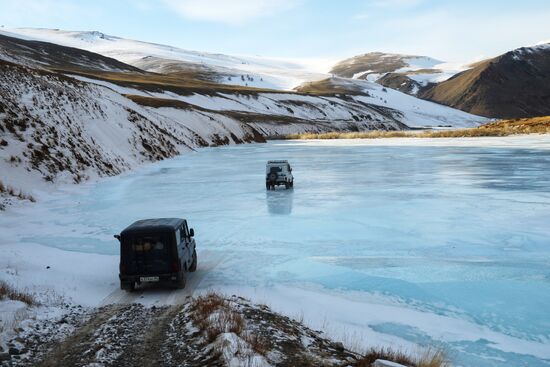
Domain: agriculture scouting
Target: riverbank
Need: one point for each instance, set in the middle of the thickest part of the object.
(537, 125)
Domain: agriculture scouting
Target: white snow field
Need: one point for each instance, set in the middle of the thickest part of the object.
(253, 71)
(396, 241)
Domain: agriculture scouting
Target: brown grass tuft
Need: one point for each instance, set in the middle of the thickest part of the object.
(257, 343)
(8, 292)
(213, 314)
(6, 189)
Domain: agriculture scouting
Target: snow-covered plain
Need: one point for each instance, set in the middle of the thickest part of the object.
(398, 241)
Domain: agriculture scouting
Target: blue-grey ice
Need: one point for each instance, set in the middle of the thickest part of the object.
(449, 234)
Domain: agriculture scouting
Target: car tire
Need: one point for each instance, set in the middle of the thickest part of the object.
(193, 266)
(180, 284)
(287, 185)
(267, 186)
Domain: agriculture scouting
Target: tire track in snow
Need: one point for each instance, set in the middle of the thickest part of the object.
(158, 296)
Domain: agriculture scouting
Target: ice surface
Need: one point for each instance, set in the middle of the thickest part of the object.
(403, 240)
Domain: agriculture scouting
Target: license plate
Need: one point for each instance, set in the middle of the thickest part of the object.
(149, 279)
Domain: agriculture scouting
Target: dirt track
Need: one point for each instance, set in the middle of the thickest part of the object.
(124, 332)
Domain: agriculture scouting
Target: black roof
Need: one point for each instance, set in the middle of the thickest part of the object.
(154, 225)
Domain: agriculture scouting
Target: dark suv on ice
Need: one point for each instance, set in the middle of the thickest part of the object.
(156, 251)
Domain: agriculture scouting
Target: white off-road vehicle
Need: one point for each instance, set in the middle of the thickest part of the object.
(278, 173)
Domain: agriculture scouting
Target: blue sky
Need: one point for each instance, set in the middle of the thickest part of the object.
(448, 30)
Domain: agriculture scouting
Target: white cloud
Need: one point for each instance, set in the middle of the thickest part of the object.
(229, 11)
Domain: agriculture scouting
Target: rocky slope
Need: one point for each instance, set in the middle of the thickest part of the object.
(513, 85)
(208, 330)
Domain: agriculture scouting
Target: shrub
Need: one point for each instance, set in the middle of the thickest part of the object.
(8, 292)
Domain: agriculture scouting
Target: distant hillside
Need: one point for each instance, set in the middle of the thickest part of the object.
(513, 85)
(45, 54)
(415, 111)
(406, 73)
(246, 71)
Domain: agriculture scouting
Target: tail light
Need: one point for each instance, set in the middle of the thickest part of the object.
(176, 266)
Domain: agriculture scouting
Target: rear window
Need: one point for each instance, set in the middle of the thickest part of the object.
(156, 246)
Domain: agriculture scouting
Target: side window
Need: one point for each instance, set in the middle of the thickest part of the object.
(178, 237)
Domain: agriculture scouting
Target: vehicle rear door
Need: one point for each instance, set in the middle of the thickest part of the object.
(150, 253)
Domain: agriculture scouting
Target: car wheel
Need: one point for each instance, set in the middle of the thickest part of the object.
(180, 284)
(292, 183)
(287, 185)
(193, 266)
(267, 186)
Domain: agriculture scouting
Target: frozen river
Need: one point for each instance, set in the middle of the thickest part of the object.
(378, 243)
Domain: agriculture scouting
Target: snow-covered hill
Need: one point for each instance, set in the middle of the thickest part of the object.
(56, 128)
(254, 71)
(413, 111)
(60, 129)
(407, 73)
(513, 85)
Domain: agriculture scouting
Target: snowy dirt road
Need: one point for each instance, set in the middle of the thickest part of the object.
(117, 335)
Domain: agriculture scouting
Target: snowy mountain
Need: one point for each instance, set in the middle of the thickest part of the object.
(406, 73)
(515, 84)
(511, 85)
(254, 71)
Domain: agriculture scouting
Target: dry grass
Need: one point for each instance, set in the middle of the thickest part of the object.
(8, 292)
(6, 189)
(535, 125)
(179, 83)
(213, 314)
(257, 343)
(426, 358)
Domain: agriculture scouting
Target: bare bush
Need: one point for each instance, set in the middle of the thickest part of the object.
(8, 292)
(213, 314)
